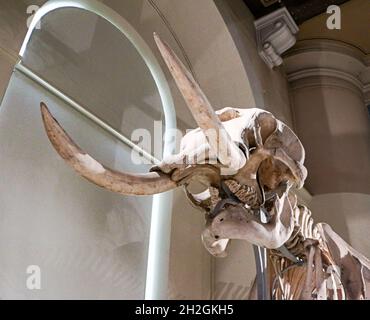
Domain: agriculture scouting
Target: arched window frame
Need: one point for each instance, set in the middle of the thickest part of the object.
(160, 228)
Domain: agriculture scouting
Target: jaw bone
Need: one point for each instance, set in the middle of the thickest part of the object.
(237, 222)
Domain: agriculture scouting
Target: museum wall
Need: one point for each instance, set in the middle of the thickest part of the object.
(329, 77)
(88, 242)
(348, 214)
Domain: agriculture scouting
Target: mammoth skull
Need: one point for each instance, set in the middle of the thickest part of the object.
(237, 167)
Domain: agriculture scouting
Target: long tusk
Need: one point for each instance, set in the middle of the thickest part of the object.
(228, 153)
(92, 170)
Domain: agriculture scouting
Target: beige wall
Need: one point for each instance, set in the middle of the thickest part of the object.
(6, 67)
(329, 72)
(328, 81)
(332, 122)
(348, 214)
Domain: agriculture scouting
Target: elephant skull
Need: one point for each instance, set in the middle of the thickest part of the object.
(245, 160)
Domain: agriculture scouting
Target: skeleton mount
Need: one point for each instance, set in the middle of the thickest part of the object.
(240, 168)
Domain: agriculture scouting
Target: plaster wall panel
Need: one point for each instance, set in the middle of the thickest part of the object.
(348, 214)
(87, 242)
(333, 124)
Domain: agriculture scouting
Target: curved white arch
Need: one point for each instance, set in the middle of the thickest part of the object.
(159, 241)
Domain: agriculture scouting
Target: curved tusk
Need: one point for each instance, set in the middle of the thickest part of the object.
(228, 153)
(92, 170)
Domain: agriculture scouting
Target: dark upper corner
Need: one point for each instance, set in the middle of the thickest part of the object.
(301, 10)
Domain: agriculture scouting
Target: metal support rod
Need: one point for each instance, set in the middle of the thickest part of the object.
(82, 110)
(260, 255)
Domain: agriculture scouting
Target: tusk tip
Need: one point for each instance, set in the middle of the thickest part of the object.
(158, 41)
(156, 37)
(50, 123)
(162, 46)
(46, 114)
(44, 109)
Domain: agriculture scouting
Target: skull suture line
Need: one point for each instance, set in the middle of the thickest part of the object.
(248, 162)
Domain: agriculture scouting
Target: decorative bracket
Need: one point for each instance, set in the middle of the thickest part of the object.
(275, 35)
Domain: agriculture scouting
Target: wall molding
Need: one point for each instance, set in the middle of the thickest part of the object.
(328, 45)
(275, 35)
(315, 58)
(325, 72)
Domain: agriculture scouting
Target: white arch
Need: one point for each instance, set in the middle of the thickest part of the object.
(159, 241)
